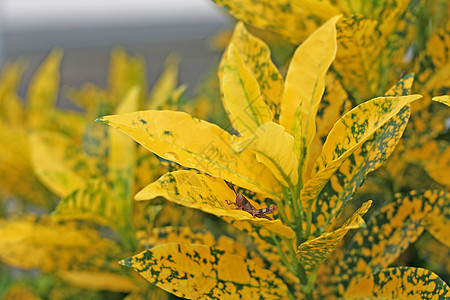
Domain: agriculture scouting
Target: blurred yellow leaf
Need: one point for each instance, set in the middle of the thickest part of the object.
(99, 281)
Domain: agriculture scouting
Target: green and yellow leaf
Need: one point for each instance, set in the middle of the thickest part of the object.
(211, 195)
(349, 133)
(275, 149)
(242, 96)
(313, 253)
(256, 57)
(305, 84)
(391, 230)
(202, 272)
(57, 162)
(207, 148)
(399, 283)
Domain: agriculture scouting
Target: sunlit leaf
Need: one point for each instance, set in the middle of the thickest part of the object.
(314, 252)
(349, 133)
(242, 96)
(54, 246)
(99, 281)
(443, 99)
(275, 149)
(206, 148)
(391, 230)
(399, 283)
(203, 272)
(256, 57)
(211, 195)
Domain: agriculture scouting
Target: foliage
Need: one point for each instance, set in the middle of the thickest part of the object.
(301, 136)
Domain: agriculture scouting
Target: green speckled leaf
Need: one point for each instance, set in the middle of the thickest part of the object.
(241, 95)
(391, 230)
(313, 253)
(207, 147)
(202, 272)
(399, 283)
(210, 195)
(350, 133)
(256, 56)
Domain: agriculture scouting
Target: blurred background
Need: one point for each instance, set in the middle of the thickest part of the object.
(87, 31)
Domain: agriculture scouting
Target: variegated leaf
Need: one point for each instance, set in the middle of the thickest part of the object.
(202, 272)
(390, 231)
(165, 86)
(313, 253)
(366, 158)
(399, 283)
(57, 162)
(305, 84)
(211, 195)
(125, 71)
(242, 96)
(256, 57)
(207, 147)
(91, 202)
(54, 246)
(278, 16)
(350, 133)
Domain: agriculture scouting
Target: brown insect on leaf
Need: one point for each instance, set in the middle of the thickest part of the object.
(245, 205)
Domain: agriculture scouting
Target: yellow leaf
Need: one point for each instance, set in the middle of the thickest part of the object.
(198, 272)
(206, 148)
(125, 72)
(279, 16)
(305, 84)
(350, 132)
(44, 86)
(322, 9)
(98, 281)
(57, 162)
(275, 149)
(210, 195)
(391, 230)
(54, 246)
(242, 97)
(256, 57)
(442, 99)
(313, 253)
(166, 84)
(399, 283)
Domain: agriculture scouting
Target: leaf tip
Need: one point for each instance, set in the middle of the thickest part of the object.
(102, 120)
(127, 262)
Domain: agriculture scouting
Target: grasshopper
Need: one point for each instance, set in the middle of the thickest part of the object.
(245, 205)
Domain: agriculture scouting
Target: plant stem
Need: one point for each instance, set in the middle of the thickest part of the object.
(282, 255)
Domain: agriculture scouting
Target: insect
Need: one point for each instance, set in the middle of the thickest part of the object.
(245, 205)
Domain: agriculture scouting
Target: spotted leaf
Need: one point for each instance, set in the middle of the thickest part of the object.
(207, 147)
(305, 84)
(399, 283)
(256, 57)
(348, 134)
(313, 253)
(201, 272)
(242, 96)
(391, 230)
(211, 195)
